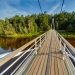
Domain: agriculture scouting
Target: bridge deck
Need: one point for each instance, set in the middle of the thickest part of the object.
(49, 59)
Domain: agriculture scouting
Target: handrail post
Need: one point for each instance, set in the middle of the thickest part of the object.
(40, 41)
(60, 43)
(35, 47)
(45, 36)
(64, 51)
(47, 33)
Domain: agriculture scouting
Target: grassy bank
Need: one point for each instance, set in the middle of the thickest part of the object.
(27, 35)
(66, 34)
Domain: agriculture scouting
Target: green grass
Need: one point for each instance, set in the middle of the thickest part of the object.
(27, 35)
(66, 34)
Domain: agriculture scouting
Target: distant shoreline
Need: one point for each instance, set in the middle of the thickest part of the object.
(27, 35)
(66, 34)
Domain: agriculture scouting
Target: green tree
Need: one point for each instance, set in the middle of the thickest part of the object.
(70, 28)
(1, 28)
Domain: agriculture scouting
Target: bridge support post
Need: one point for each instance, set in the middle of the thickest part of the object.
(40, 41)
(45, 36)
(35, 47)
(60, 43)
(64, 51)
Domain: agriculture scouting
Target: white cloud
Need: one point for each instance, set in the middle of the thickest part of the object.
(54, 8)
(8, 11)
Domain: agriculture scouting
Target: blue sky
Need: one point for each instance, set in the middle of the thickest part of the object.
(10, 8)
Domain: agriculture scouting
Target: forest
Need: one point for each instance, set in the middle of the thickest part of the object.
(25, 24)
(65, 21)
(37, 23)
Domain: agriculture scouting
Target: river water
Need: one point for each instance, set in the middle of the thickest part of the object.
(11, 44)
(71, 41)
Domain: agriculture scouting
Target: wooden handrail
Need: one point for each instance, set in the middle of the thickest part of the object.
(11, 55)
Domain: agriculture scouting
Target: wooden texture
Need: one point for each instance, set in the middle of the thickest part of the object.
(41, 65)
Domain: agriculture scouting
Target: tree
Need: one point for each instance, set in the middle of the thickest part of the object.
(43, 22)
(1, 28)
(70, 28)
(8, 29)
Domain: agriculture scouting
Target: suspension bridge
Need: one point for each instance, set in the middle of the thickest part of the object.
(48, 54)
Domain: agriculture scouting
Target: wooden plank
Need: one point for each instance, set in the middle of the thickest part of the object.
(30, 71)
(59, 58)
(41, 49)
(52, 67)
(56, 64)
(47, 51)
(43, 46)
(59, 65)
(65, 71)
(39, 68)
(53, 57)
(46, 44)
(41, 65)
(44, 65)
(56, 67)
(50, 62)
(37, 65)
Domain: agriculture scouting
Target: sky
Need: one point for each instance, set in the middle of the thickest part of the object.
(10, 8)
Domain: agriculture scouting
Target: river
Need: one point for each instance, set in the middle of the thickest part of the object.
(71, 41)
(11, 44)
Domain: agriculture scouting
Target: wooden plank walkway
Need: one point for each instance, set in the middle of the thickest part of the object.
(49, 59)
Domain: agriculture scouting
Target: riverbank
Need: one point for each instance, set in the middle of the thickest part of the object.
(66, 34)
(27, 35)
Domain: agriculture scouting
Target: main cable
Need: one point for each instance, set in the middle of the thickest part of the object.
(62, 6)
(40, 5)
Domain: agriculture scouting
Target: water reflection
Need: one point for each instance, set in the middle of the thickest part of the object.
(10, 44)
(71, 41)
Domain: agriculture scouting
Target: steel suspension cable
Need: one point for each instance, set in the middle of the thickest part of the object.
(40, 5)
(62, 6)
